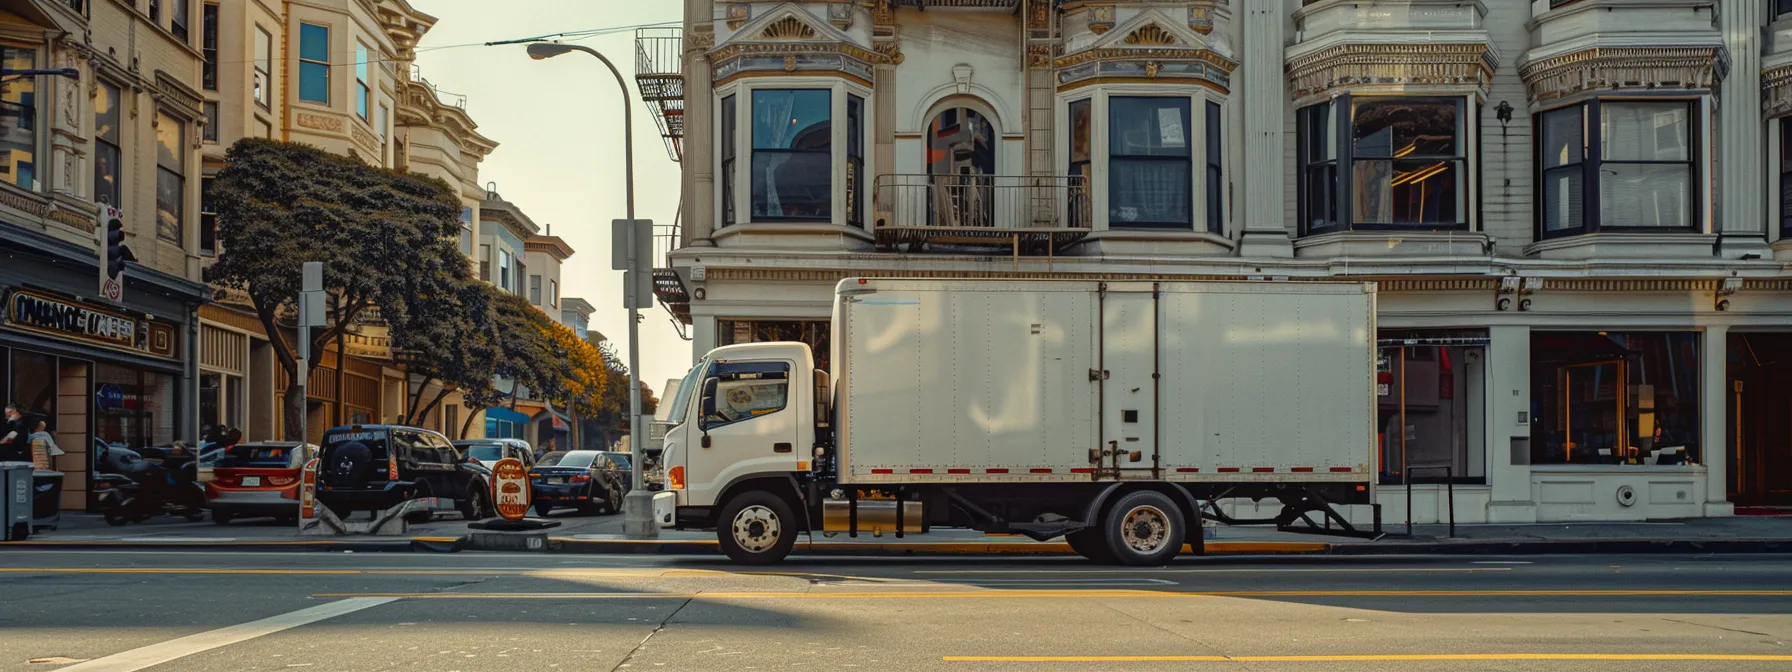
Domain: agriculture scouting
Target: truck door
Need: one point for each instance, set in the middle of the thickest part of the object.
(1128, 380)
(748, 424)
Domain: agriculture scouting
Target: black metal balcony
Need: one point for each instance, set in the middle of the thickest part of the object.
(659, 74)
(1028, 214)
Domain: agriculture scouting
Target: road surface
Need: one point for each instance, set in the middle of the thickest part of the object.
(89, 611)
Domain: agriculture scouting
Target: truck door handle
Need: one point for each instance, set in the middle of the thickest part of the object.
(781, 448)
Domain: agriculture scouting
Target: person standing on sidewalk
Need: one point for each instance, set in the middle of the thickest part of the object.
(15, 436)
(44, 450)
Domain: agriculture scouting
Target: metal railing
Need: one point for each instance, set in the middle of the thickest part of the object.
(1449, 486)
(459, 100)
(982, 201)
(659, 74)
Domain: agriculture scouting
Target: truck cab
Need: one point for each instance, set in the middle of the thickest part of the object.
(745, 421)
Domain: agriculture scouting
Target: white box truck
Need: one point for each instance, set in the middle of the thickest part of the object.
(1116, 414)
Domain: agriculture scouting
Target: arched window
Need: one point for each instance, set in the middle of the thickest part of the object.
(961, 165)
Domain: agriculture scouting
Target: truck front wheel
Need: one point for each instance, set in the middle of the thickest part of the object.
(1144, 528)
(757, 528)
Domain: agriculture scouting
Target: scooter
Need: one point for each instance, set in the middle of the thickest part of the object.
(158, 490)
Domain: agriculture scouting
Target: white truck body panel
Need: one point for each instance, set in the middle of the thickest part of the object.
(990, 381)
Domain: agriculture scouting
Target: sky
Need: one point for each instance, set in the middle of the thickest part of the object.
(559, 127)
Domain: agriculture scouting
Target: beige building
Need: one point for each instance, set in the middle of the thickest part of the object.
(337, 74)
(100, 105)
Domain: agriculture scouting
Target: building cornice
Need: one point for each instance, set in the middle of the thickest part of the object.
(553, 245)
(1627, 68)
(1341, 67)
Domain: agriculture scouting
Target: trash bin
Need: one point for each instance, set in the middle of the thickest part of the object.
(46, 499)
(15, 500)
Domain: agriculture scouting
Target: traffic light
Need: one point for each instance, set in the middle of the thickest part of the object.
(116, 252)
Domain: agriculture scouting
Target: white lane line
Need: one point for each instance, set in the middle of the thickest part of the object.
(156, 654)
(1502, 562)
(1316, 570)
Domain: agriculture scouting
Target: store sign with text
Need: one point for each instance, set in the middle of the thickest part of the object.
(42, 313)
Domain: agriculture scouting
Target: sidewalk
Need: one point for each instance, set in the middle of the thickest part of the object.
(603, 534)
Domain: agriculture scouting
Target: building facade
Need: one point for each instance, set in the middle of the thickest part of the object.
(1585, 276)
(100, 110)
(339, 75)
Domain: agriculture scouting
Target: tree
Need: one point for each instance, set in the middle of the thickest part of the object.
(516, 348)
(584, 375)
(448, 335)
(375, 230)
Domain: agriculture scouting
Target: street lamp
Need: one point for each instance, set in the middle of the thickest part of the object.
(637, 517)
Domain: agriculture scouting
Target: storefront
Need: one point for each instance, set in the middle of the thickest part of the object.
(96, 374)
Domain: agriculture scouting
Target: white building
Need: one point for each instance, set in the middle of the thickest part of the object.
(1585, 289)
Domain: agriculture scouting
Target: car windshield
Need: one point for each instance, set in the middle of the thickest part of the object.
(257, 457)
(578, 459)
(487, 452)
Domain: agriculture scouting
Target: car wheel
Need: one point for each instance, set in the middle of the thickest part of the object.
(757, 528)
(1144, 529)
(612, 501)
(1087, 542)
(476, 505)
(221, 517)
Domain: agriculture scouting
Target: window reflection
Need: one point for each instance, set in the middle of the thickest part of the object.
(792, 155)
(1615, 398)
(1407, 162)
(1149, 167)
(18, 120)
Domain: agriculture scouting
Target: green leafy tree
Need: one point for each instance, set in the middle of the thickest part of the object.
(449, 335)
(375, 230)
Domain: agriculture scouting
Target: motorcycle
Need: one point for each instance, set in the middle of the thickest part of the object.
(170, 488)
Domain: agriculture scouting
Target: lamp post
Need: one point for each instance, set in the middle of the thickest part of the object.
(637, 520)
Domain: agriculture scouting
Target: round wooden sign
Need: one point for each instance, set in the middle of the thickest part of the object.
(510, 488)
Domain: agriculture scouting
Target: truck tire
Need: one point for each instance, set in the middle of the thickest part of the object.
(1087, 542)
(1144, 528)
(756, 528)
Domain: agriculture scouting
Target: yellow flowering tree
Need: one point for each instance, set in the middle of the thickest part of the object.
(582, 371)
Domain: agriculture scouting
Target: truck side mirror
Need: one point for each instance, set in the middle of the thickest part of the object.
(707, 405)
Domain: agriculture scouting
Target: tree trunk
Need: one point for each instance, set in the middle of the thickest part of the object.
(294, 415)
(418, 421)
(467, 425)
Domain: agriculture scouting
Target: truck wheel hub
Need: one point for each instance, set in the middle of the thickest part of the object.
(1146, 529)
(755, 529)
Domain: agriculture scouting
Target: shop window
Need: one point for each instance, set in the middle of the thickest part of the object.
(1149, 163)
(18, 120)
(171, 179)
(1617, 166)
(1383, 163)
(34, 384)
(314, 63)
(107, 159)
(812, 332)
(1615, 398)
(134, 409)
(792, 155)
(1430, 412)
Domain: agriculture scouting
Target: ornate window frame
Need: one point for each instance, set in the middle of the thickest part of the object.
(1100, 107)
(839, 89)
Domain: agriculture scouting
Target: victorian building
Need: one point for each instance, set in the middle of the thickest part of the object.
(1585, 286)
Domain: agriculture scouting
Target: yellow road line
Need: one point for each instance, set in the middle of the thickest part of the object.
(544, 573)
(986, 593)
(1378, 658)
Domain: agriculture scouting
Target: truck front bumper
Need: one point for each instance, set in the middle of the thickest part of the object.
(665, 508)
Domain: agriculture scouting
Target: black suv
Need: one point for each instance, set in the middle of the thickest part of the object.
(376, 467)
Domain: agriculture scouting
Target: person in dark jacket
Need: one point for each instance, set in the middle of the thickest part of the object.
(15, 436)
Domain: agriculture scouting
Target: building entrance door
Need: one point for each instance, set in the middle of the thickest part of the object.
(1759, 419)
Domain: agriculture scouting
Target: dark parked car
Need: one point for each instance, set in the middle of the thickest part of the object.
(586, 479)
(489, 451)
(376, 467)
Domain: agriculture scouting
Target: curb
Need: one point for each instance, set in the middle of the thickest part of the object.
(1568, 547)
(898, 548)
(413, 544)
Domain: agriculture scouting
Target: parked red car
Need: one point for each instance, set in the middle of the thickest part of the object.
(257, 479)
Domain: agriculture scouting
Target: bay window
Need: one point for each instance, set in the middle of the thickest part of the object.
(1081, 170)
(727, 172)
(264, 68)
(363, 92)
(1149, 163)
(1785, 178)
(792, 159)
(1216, 177)
(855, 161)
(314, 63)
(1383, 163)
(1611, 165)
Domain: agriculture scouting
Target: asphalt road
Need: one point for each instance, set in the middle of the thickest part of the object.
(211, 611)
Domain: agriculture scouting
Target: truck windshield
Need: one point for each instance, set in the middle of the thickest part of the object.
(682, 402)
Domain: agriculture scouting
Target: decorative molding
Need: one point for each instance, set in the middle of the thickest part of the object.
(1141, 55)
(787, 28)
(77, 220)
(1039, 55)
(738, 14)
(1628, 285)
(750, 59)
(702, 40)
(1624, 69)
(366, 140)
(1776, 91)
(1200, 15)
(1101, 18)
(1155, 65)
(840, 14)
(1151, 35)
(1431, 64)
(1432, 285)
(319, 122)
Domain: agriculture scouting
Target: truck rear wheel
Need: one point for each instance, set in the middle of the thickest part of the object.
(1144, 528)
(756, 528)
